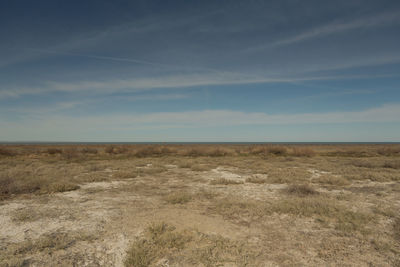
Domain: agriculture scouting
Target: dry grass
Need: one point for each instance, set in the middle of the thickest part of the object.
(13, 254)
(160, 239)
(338, 203)
(396, 229)
(29, 215)
(7, 152)
(319, 207)
(302, 152)
(23, 182)
(201, 167)
(264, 150)
(89, 150)
(301, 190)
(286, 175)
(151, 170)
(224, 181)
(331, 180)
(125, 174)
(178, 197)
(205, 150)
(256, 180)
(192, 248)
(392, 164)
(53, 151)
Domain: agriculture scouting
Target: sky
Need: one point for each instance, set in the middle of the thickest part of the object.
(200, 71)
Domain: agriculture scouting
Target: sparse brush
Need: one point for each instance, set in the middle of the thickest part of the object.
(224, 181)
(125, 174)
(206, 194)
(24, 182)
(389, 150)
(59, 186)
(7, 152)
(195, 152)
(317, 207)
(396, 228)
(256, 180)
(71, 153)
(392, 164)
(154, 169)
(301, 190)
(148, 151)
(89, 150)
(332, 180)
(219, 152)
(109, 149)
(185, 164)
(277, 150)
(302, 152)
(178, 198)
(364, 164)
(200, 167)
(160, 238)
(53, 151)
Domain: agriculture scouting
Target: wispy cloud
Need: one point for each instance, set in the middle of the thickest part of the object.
(333, 28)
(50, 127)
(205, 118)
(162, 82)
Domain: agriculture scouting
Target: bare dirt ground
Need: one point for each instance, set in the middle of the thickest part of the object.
(239, 209)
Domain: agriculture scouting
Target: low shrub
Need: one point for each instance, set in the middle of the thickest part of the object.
(224, 181)
(89, 150)
(301, 190)
(256, 180)
(7, 152)
(53, 151)
(178, 198)
(159, 239)
(302, 152)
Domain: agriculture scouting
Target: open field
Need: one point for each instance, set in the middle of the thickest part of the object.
(200, 205)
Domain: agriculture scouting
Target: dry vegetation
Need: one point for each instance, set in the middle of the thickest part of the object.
(199, 205)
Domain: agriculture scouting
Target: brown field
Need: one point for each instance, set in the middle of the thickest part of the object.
(200, 205)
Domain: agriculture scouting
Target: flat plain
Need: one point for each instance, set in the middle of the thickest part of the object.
(200, 205)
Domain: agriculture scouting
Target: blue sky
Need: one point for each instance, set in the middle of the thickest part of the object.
(200, 71)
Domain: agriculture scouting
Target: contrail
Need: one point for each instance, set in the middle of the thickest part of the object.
(145, 62)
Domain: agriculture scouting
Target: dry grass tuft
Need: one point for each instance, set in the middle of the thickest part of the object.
(264, 150)
(206, 194)
(47, 243)
(301, 190)
(302, 152)
(29, 215)
(71, 153)
(7, 152)
(224, 181)
(153, 169)
(89, 150)
(392, 164)
(256, 180)
(389, 150)
(396, 228)
(315, 207)
(178, 198)
(332, 180)
(113, 149)
(23, 182)
(125, 174)
(53, 151)
(201, 167)
(160, 239)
